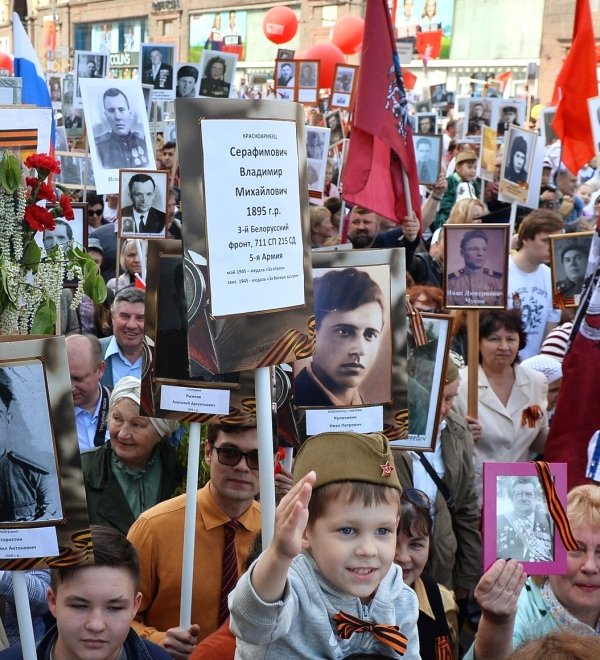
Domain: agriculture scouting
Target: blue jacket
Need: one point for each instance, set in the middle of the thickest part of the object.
(135, 648)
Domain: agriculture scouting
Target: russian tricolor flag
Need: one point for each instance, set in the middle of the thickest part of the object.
(27, 66)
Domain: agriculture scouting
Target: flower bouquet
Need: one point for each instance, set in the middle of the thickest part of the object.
(31, 278)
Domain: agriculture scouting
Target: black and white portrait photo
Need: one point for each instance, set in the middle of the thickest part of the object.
(218, 73)
(335, 124)
(286, 74)
(426, 123)
(507, 118)
(569, 254)
(156, 69)
(88, 65)
(479, 113)
(438, 95)
(143, 203)
(518, 156)
(117, 124)
(525, 530)
(344, 79)
(29, 484)
(428, 151)
(308, 73)
(316, 147)
(188, 81)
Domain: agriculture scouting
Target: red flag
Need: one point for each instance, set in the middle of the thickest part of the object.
(576, 83)
(577, 415)
(381, 138)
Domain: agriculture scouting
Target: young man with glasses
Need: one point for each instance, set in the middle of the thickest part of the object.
(232, 456)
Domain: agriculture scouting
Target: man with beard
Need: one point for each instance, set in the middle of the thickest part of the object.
(363, 227)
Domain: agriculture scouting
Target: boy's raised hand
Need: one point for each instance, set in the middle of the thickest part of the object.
(291, 517)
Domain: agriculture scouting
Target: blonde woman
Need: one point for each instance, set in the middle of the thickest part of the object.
(467, 212)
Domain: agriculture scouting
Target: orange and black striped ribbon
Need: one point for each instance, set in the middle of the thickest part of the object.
(443, 650)
(531, 415)
(302, 345)
(557, 511)
(416, 325)
(391, 636)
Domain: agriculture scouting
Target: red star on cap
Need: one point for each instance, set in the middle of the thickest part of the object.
(387, 469)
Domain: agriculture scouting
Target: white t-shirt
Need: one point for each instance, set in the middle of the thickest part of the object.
(535, 292)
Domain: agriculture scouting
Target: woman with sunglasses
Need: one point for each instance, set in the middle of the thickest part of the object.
(136, 469)
(438, 613)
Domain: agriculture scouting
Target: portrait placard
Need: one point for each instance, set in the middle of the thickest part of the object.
(478, 114)
(428, 154)
(569, 254)
(118, 130)
(507, 113)
(68, 233)
(335, 124)
(547, 134)
(487, 154)
(247, 162)
(285, 54)
(88, 64)
(317, 146)
(39, 449)
(168, 390)
(426, 123)
(143, 203)
(517, 164)
(426, 367)
(360, 358)
(218, 74)
(345, 78)
(156, 69)
(438, 95)
(516, 517)
(187, 82)
(476, 266)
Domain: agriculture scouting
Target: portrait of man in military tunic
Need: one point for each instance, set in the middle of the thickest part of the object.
(476, 266)
(119, 135)
(29, 489)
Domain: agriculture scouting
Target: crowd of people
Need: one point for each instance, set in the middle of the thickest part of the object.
(375, 555)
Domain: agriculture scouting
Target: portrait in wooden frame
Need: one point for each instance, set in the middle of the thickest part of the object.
(569, 254)
(516, 519)
(390, 414)
(44, 396)
(476, 266)
(345, 78)
(143, 196)
(426, 367)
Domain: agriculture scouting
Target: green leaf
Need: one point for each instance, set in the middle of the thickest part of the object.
(11, 173)
(44, 320)
(32, 255)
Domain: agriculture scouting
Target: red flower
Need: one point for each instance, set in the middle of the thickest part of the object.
(31, 181)
(65, 203)
(46, 192)
(43, 162)
(39, 218)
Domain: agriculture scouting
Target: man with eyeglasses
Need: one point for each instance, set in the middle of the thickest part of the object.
(231, 453)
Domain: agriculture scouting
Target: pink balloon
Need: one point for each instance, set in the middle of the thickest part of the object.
(280, 24)
(348, 34)
(329, 55)
(6, 64)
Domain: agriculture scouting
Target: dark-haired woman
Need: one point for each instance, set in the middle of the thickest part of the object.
(438, 622)
(512, 420)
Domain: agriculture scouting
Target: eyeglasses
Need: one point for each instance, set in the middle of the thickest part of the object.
(416, 497)
(231, 456)
(96, 212)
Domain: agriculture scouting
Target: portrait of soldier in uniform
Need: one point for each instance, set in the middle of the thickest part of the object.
(524, 533)
(573, 257)
(475, 283)
(122, 147)
(187, 79)
(27, 488)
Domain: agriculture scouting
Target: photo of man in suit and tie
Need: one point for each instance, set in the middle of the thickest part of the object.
(140, 219)
(156, 71)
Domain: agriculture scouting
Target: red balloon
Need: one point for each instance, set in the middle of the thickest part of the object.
(348, 33)
(329, 55)
(280, 24)
(6, 65)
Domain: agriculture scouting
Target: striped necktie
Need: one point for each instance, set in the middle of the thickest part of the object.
(230, 571)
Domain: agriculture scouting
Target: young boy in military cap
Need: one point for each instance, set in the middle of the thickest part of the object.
(461, 185)
(326, 586)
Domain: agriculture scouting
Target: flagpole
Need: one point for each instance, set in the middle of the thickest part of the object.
(409, 208)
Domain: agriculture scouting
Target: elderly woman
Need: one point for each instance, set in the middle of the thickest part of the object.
(136, 468)
(512, 419)
(131, 264)
(511, 615)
